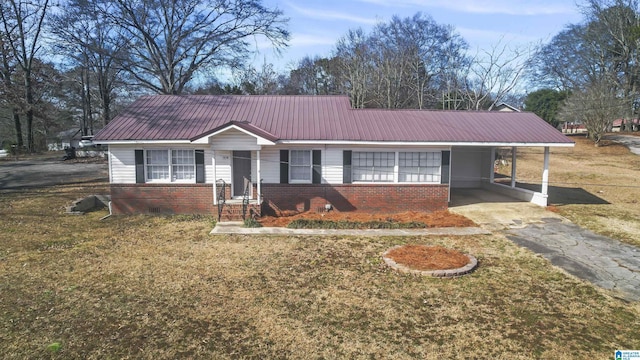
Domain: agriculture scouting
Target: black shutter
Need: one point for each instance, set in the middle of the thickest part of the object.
(346, 167)
(284, 166)
(200, 166)
(446, 162)
(317, 167)
(139, 166)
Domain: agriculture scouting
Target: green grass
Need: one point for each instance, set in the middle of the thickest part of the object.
(75, 287)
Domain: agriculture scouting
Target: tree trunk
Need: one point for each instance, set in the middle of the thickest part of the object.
(29, 113)
(18, 125)
(106, 109)
(88, 97)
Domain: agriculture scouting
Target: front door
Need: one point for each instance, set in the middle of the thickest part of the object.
(241, 172)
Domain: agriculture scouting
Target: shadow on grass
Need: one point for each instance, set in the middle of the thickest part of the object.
(51, 184)
(559, 195)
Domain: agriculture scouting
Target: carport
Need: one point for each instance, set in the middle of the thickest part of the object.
(494, 210)
(473, 167)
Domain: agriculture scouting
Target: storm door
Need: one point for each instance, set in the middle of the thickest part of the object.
(241, 172)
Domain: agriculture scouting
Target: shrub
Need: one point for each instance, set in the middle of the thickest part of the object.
(251, 223)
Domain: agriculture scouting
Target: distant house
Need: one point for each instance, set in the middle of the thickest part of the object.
(569, 127)
(65, 139)
(209, 154)
(505, 107)
(625, 125)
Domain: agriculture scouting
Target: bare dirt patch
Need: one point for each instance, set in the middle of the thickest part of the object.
(421, 257)
(434, 219)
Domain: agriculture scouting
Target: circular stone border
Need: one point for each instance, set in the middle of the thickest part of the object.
(449, 273)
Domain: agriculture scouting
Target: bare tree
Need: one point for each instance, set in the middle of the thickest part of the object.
(569, 61)
(412, 57)
(263, 81)
(352, 54)
(22, 24)
(92, 44)
(615, 26)
(314, 76)
(405, 63)
(493, 74)
(596, 107)
(7, 74)
(171, 40)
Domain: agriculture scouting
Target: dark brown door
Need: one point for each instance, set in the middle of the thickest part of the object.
(241, 171)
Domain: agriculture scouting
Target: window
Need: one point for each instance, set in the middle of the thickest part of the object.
(373, 166)
(419, 167)
(300, 166)
(182, 162)
(410, 167)
(180, 166)
(157, 165)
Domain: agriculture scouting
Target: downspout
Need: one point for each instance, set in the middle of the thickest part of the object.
(110, 212)
(110, 181)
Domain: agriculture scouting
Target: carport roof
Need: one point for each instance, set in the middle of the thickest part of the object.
(324, 119)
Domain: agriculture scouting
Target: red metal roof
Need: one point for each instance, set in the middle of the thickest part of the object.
(319, 118)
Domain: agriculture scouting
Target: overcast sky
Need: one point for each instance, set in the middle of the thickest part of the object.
(316, 25)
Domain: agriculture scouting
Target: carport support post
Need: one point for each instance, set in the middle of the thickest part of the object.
(514, 151)
(492, 171)
(258, 176)
(545, 172)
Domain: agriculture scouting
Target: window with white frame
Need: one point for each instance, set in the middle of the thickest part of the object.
(170, 165)
(373, 166)
(182, 165)
(300, 166)
(419, 166)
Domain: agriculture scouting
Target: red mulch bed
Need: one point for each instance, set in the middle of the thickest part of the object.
(421, 257)
(433, 219)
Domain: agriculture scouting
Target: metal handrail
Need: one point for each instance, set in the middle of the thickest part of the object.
(245, 200)
(222, 197)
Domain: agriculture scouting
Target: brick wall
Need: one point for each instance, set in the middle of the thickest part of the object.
(198, 198)
(381, 198)
(162, 199)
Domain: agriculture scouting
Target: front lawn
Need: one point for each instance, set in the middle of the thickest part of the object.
(74, 287)
(594, 187)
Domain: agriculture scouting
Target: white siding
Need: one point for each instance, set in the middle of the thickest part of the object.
(332, 165)
(469, 166)
(209, 173)
(270, 164)
(223, 165)
(234, 140)
(465, 161)
(332, 159)
(123, 164)
(254, 167)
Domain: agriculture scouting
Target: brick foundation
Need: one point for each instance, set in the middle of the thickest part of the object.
(198, 198)
(162, 199)
(374, 198)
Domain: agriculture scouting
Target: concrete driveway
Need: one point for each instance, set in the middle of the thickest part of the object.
(494, 211)
(602, 261)
(22, 174)
(630, 141)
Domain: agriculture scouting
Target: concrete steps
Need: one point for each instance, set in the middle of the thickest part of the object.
(232, 211)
